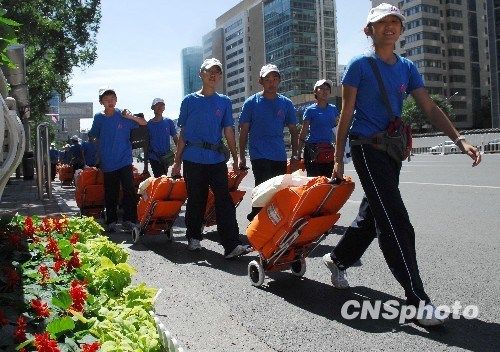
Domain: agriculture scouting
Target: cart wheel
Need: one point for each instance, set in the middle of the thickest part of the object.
(299, 267)
(256, 273)
(136, 234)
(170, 234)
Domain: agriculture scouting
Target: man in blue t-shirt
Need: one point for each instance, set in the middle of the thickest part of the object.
(90, 155)
(76, 153)
(112, 129)
(160, 130)
(262, 120)
(203, 117)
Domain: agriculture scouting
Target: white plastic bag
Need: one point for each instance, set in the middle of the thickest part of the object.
(262, 194)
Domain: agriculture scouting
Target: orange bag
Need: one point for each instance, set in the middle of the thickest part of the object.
(66, 173)
(311, 209)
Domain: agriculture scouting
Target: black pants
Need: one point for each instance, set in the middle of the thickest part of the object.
(314, 169)
(112, 182)
(198, 178)
(158, 168)
(382, 213)
(53, 171)
(263, 170)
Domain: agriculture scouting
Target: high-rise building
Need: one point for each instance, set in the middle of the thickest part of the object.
(298, 36)
(191, 58)
(493, 8)
(447, 40)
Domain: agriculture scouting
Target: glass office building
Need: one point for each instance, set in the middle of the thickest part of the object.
(191, 59)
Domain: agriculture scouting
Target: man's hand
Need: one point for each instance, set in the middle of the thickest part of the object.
(176, 169)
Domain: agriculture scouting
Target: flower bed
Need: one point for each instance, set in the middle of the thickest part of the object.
(64, 287)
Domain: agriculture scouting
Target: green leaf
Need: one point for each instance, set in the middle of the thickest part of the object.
(57, 326)
(66, 248)
(24, 344)
(62, 300)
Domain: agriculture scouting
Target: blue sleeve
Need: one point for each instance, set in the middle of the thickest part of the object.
(307, 114)
(228, 120)
(131, 124)
(291, 115)
(173, 132)
(415, 80)
(95, 130)
(183, 113)
(247, 111)
(352, 73)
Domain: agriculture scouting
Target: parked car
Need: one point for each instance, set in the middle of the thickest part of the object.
(493, 146)
(449, 147)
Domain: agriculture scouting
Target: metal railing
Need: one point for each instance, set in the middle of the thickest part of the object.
(487, 141)
(43, 170)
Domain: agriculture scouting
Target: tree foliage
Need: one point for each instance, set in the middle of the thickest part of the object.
(8, 29)
(413, 114)
(59, 35)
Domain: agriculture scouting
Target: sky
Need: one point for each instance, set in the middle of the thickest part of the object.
(139, 47)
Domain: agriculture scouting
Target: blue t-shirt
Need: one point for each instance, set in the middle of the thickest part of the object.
(113, 132)
(203, 119)
(75, 152)
(400, 79)
(267, 118)
(90, 153)
(159, 137)
(321, 123)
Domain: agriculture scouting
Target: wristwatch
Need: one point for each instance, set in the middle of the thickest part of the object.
(458, 139)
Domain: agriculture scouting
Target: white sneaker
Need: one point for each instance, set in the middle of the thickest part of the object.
(194, 245)
(339, 279)
(429, 315)
(237, 251)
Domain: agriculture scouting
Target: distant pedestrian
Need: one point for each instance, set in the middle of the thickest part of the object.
(262, 119)
(76, 153)
(318, 132)
(364, 116)
(112, 129)
(54, 160)
(160, 130)
(204, 116)
(90, 153)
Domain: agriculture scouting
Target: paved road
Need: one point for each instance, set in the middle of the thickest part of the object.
(209, 305)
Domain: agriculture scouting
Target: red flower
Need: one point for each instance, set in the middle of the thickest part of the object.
(46, 225)
(44, 343)
(78, 294)
(29, 229)
(60, 224)
(53, 247)
(40, 307)
(58, 265)
(44, 271)
(12, 277)
(3, 319)
(92, 347)
(20, 331)
(74, 238)
(74, 262)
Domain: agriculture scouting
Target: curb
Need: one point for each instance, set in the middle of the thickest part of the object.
(169, 343)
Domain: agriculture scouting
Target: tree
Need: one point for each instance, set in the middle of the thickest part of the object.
(412, 114)
(59, 35)
(8, 29)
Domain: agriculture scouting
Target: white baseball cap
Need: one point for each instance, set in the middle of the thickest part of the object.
(323, 81)
(267, 69)
(156, 101)
(209, 63)
(383, 10)
(105, 90)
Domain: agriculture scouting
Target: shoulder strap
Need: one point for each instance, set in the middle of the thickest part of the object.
(381, 87)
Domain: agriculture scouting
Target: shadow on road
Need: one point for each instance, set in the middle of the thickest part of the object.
(324, 300)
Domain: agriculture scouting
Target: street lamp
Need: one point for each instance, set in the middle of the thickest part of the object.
(451, 96)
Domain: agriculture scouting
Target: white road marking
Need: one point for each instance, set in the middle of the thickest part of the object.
(450, 185)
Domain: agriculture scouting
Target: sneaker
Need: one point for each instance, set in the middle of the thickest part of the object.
(194, 245)
(128, 225)
(112, 227)
(339, 279)
(429, 315)
(237, 251)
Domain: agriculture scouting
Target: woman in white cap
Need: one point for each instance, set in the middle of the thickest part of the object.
(317, 133)
(160, 130)
(364, 116)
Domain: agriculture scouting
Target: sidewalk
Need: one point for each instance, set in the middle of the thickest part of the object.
(21, 197)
